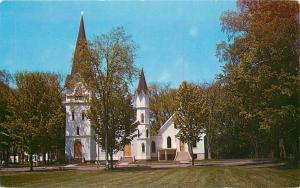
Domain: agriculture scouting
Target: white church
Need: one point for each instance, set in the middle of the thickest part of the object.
(80, 144)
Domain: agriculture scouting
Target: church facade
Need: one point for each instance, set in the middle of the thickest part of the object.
(80, 143)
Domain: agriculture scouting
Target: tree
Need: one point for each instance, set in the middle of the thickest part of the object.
(261, 71)
(107, 69)
(162, 105)
(36, 112)
(4, 137)
(212, 115)
(188, 115)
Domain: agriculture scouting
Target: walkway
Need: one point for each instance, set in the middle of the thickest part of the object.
(145, 164)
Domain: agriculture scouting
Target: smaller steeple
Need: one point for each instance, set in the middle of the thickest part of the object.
(142, 84)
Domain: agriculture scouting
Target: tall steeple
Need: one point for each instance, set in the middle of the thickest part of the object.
(81, 40)
(142, 84)
(80, 49)
(81, 34)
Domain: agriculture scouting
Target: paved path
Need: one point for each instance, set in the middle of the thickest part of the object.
(53, 168)
(228, 162)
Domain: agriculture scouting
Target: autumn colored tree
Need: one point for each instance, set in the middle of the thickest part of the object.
(261, 72)
(5, 91)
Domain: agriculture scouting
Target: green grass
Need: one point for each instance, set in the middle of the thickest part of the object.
(238, 176)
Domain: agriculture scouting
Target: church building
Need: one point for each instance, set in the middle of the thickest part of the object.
(80, 144)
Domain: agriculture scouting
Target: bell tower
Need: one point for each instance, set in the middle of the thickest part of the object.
(142, 115)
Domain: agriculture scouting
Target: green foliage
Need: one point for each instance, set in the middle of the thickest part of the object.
(107, 69)
(188, 117)
(162, 105)
(36, 119)
(261, 74)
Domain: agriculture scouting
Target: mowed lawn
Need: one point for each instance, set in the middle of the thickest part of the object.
(238, 176)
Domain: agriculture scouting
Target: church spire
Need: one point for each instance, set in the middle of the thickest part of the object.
(81, 46)
(142, 84)
(81, 34)
(81, 40)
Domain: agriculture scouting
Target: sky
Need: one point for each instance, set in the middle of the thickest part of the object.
(177, 40)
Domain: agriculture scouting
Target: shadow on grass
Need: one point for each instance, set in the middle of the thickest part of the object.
(134, 169)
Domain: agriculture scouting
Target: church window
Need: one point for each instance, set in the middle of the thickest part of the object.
(194, 144)
(142, 118)
(195, 156)
(143, 148)
(82, 115)
(77, 130)
(169, 144)
(147, 133)
(73, 115)
(153, 149)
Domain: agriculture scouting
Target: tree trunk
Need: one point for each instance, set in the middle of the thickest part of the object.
(31, 162)
(7, 157)
(208, 147)
(192, 153)
(281, 148)
(111, 159)
(106, 148)
(14, 159)
(44, 158)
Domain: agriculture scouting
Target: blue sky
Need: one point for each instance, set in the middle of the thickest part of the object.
(177, 40)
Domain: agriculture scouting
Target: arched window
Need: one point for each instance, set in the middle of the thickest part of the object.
(77, 130)
(153, 149)
(147, 133)
(138, 133)
(82, 115)
(143, 148)
(169, 144)
(73, 115)
(142, 118)
(194, 144)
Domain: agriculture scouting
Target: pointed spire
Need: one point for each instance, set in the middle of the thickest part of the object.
(81, 33)
(80, 38)
(142, 84)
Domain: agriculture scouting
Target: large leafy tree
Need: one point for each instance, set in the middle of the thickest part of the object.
(212, 115)
(36, 118)
(107, 69)
(188, 117)
(162, 105)
(261, 72)
(4, 111)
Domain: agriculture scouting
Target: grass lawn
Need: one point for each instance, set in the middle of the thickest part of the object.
(238, 176)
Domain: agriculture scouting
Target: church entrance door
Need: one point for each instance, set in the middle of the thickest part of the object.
(127, 150)
(181, 146)
(77, 149)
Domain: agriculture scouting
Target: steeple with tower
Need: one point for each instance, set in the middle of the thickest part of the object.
(79, 137)
(142, 115)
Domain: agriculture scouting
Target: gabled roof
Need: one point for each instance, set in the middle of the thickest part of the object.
(165, 125)
(142, 84)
